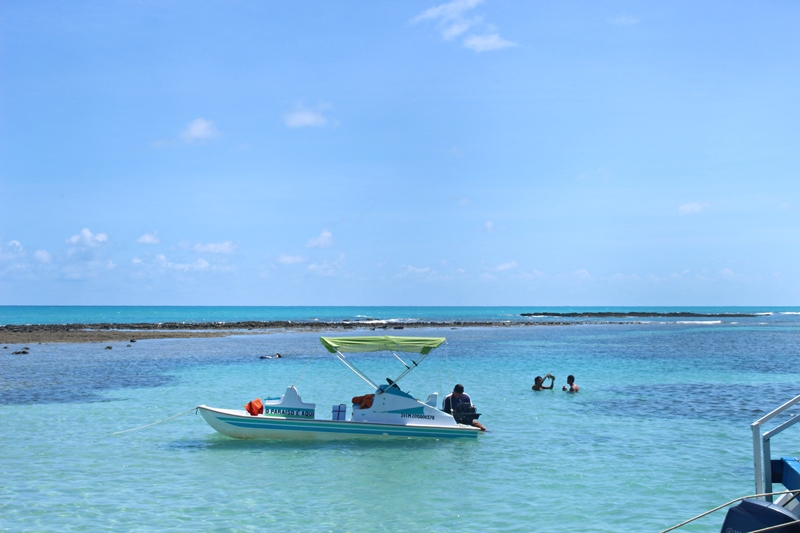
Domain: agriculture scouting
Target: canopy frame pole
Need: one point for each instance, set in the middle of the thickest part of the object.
(410, 368)
(340, 356)
(400, 359)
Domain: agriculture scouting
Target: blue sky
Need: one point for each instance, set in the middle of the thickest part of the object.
(400, 153)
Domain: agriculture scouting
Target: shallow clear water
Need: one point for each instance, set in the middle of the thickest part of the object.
(659, 433)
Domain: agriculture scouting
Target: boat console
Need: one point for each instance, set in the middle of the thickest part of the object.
(290, 405)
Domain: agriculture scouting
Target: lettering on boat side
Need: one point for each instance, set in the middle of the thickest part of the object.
(407, 415)
(289, 412)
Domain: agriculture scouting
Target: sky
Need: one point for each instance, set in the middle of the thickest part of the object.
(399, 153)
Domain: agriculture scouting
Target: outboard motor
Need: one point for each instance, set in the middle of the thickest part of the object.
(752, 515)
(465, 413)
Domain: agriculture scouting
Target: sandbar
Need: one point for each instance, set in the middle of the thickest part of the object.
(107, 332)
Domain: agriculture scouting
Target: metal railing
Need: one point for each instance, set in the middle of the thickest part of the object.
(763, 467)
(761, 446)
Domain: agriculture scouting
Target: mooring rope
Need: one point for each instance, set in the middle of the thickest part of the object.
(447, 361)
(301, 372)
(439, 371)
(154, 423)
(775, 528)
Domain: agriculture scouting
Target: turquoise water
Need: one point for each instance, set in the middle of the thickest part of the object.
(659, 433)
(55, 314)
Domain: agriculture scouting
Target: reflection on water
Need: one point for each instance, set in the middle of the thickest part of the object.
(81, 373)
(372, 445)
(736, 403)
(78, 373)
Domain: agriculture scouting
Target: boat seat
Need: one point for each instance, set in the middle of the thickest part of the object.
(433, 399)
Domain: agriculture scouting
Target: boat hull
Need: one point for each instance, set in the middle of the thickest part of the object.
(241, 425)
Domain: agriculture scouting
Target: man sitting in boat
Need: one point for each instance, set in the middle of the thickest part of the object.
(460, 406)
(455, 398)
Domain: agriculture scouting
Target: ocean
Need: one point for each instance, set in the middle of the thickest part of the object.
(659, 432)
(194, 314)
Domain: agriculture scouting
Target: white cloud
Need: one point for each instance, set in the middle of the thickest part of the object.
(43, 256)
(226, 247)
(691, 208)
(325, 239)
(623, 19)
(12, 250)
(199, 129)
(290, 259)
(322, 269)
(505, 266)
(457, 28)
(85, 269)
(449, 14)
(305, 118)
(327, 268)
(149, 238)
(87, 238)
(486, 43)
(452, 21)
(419, 272)
(200, 264)
(532, 275)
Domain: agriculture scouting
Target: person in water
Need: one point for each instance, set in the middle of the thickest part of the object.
(455, 398)
(538, 382)
(571, 386)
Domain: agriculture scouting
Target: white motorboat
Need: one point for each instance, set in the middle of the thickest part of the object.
(388, 412)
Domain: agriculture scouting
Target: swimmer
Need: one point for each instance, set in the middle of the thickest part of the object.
(538, 382)
(571, 386)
